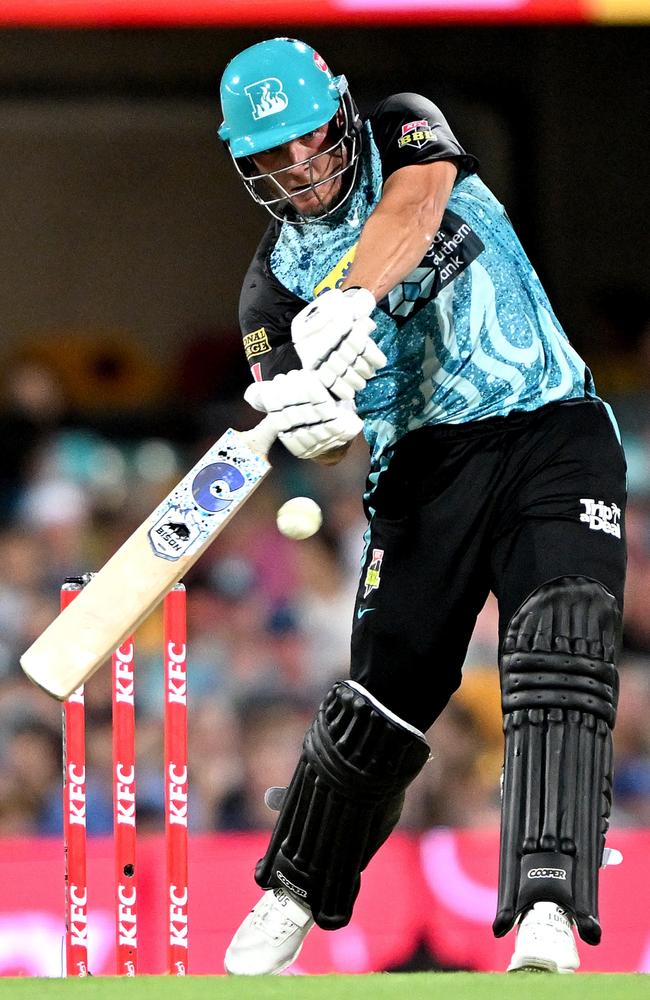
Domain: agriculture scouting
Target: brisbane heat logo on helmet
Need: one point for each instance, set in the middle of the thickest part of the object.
(267, 97)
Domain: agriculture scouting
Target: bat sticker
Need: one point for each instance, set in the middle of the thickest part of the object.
(205, 498)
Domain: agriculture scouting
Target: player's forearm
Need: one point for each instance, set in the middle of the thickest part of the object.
(387, 252)
(402, 227)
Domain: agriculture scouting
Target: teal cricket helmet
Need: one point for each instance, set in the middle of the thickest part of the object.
(277, 91)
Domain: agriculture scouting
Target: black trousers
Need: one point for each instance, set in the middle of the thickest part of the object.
(500, 505)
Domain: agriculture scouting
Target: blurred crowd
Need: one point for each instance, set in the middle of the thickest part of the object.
(269, 618)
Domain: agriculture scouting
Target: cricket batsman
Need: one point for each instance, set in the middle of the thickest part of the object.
(391, 295)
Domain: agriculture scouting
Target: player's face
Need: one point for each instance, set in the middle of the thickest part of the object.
(302, 163)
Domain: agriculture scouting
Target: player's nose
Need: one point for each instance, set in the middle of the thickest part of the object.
(296, 152)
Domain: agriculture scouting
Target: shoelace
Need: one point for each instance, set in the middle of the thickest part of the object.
(560, 925)
(274, 923)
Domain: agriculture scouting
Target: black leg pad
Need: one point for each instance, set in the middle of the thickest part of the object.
(344, 799)
(559, 694)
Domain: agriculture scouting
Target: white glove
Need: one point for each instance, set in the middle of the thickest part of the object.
(308, 420)
(332, 337)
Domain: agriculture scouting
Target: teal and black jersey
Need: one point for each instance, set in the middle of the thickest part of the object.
(469, 334)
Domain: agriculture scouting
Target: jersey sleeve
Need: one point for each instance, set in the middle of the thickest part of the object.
(266, 310)
(409, 128)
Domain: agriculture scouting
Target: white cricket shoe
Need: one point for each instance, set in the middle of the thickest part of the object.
(545, 941)
(270, 937)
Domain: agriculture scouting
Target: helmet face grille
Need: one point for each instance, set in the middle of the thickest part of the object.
(271, 190)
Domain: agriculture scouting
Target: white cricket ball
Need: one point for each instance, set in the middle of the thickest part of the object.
(299, 518)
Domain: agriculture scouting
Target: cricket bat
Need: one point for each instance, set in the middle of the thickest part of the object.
(125, 591)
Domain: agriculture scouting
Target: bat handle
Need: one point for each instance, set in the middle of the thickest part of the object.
(262, 436)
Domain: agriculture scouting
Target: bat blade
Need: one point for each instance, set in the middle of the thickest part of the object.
(150, 562)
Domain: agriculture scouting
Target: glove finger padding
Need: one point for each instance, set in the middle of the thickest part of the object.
(312, 441)
(364, 369)
(286, 390)
(308, 420)
(348, 368)
(253, 396)
(332, 337)
(354, 345)
(358, 336)
(343, 385)
(374, 356)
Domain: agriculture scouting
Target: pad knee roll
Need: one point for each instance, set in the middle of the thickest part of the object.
(559, 693)
(344, 800)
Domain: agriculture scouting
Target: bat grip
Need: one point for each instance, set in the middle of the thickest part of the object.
(262, 436)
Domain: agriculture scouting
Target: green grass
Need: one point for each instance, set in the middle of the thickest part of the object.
(382, 986)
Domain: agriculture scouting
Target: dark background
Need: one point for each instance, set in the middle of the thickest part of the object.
(121, 215)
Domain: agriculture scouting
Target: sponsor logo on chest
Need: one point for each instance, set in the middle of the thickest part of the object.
(337, 275)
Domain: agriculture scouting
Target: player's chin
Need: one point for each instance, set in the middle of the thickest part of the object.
(314, 203)
(308, 204)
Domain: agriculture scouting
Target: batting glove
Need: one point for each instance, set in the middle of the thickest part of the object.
(332, 338)
(308, 420)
